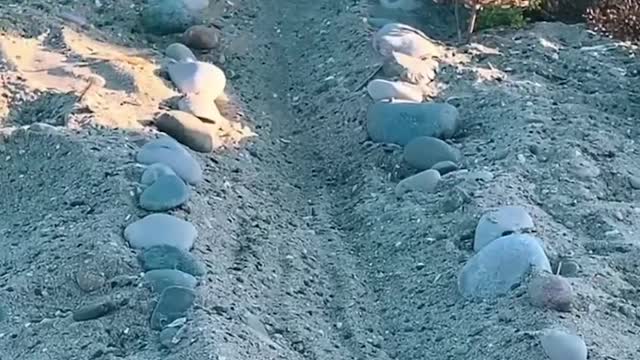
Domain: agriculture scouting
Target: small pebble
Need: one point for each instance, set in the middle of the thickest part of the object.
(161, 279)
(445, 167)
(167, 336)
(201, 37)
(560, 345)
(634, 181)
(94, 311)
(166, 193)
(174, 303)
(154, 171)
(179, 52)
(568, 268)
(89, 281)
(425, 182)
(550, 291)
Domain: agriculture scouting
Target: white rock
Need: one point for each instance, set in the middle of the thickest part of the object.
(406, 40)
(200, 105)
(560, 345)
(380, 89)
(198, 77)
(496, 222)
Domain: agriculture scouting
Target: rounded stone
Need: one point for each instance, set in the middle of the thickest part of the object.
(201, 106)
(401, 38)
(180, 53)
(380, 89)
(501, 265)
(168, 151)
(164, 17)
(166, 193)
(174, 302)
(188, 130)
(201, 37)
(424, 182)
(410, 69)
(154, 171)
(499, 222)
(400, 122)
(561, 345)
(445, 167)
(550, 291)
(161, 279)
(160, 229)
(170, 257)
(423, 152)
(198, 77)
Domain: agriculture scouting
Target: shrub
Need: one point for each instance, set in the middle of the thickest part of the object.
(494, 16)
(619, 19)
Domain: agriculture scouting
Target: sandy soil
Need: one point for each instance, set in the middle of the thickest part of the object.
(309, 254)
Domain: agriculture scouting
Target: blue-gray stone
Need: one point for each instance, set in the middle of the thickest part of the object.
(502, 265)
(167, 192)
(560, 344)
(160, 229)
(424, 151)
(168, 151)
(401, 122)
(445, 167)
(499, 222)
(173, 304)
(163, 17)
(154, 171)
(161, 279)
(170, 257)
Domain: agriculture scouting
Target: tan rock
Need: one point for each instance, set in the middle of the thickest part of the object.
(201, 37)
(410, 69)
(550, 291)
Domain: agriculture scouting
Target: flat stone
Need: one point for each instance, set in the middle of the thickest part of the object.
(168, 151)
(188, 130)
(154, 171)
(169, 257)
(164, 17)
(179, 52)
(445, 167)
(410, 69)
(198, 77)
(423, 152)
(425, 182)
(94, 311)
(166, 193)
(173, 304)
(405, 39)
(502, 265)
(201, 37)
(161, 279)
(500, 222)
(550, 291)
(201, 106)
(380, 89)
(561, 345)
(160, 229)
(401, 122)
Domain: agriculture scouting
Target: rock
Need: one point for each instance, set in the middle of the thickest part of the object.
(169, 337)
(401, 122)
(169, 257)
(161, 279)
(201, 37)
(198, 77)
(160, 229)
(166, 150)
(200, 106)
(550, 291)
(500, 222)
(380, 89)
(180, 53)
(89, 281)
(445, 167)
(423, 152)
(425, 182)
(174, 303)
(94, 311)
(406, 5)
(404, 39)
(164, 17)
(501, 265)
(634, 181)
(166, 193)
(560, 345)
(154, 171)
(188, 130)
(410, 69)
(568, 268)
(196, 5)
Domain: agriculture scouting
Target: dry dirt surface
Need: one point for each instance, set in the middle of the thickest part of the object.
(309, 253)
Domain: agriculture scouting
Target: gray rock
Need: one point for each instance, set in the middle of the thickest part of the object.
(201, 37)
(501, 265)
(154, 171)
(380, 89)
(401, 122)
(173, 304)
(200, 106)
(169, 337)
(561, 345)
(425, 182)
(168, 151)
(94, 311)
(161, 279)
(160, 229)
(423, 152)
(500, 222)
(189, 130)
(166, 193)
(169, 257)
(198, 77)
(179, 52)
(445, 167)
(163, 17)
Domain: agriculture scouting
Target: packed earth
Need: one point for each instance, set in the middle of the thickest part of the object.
(327, 179)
